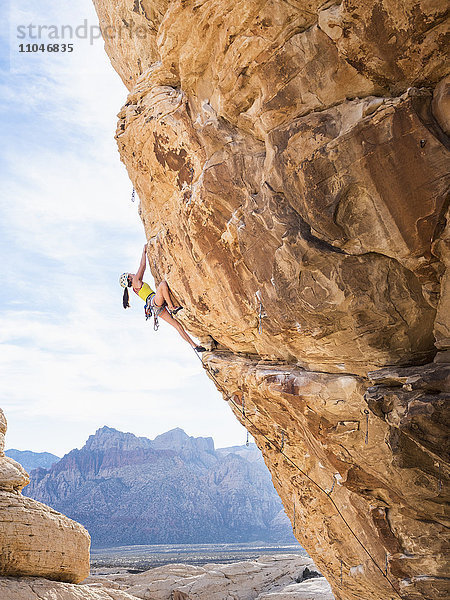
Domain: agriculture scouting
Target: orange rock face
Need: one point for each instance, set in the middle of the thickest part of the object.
(292, 164)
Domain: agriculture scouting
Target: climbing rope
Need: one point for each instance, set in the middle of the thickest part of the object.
(241, 409)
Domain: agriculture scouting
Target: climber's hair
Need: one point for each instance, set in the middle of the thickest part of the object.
(126, 298)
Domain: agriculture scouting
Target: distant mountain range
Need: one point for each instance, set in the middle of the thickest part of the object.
(174, 489)
(32, 460)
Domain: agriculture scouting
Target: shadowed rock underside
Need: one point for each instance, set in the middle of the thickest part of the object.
(291, 160)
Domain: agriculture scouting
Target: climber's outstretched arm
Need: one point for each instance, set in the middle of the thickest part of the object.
(137, 279)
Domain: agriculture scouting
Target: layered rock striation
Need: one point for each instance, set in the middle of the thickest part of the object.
(36, 540)
(291, 159)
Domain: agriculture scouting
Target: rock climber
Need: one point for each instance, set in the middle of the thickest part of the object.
(159, 303)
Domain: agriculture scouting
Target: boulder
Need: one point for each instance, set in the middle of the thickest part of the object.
(32, 588)
(35, 539)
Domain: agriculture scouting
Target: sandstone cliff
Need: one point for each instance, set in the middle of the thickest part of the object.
(35, 540)
(174, 489)
(291, 160)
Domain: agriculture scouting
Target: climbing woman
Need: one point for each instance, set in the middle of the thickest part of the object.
(159, 303)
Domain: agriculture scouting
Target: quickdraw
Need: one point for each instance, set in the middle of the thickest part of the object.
(260, 315)
(366, 439)
(332, 487)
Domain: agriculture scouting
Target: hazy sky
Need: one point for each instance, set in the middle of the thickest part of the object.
(72, 359)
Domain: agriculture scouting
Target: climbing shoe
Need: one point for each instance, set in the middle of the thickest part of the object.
(175, 310)
(199, 349)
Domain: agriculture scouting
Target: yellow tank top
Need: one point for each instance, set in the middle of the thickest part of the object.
(144, 291)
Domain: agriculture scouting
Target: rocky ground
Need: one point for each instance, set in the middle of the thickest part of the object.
(286, 577)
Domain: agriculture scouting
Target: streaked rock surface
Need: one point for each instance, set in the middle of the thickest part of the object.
(291, 161)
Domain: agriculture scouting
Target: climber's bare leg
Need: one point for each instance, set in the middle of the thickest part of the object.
(178, 326)
(163, 295)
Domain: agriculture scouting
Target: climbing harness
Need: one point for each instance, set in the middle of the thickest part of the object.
(148, 307)
(366, 439)
(151, 309)
(133, 195)
(242, 411)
